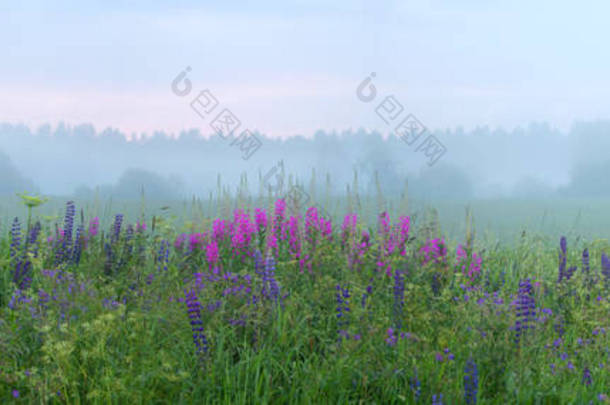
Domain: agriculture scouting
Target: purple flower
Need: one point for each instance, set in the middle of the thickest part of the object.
(437, 400)
(525, 309)
(342, 307)
(415, 385)
(586, 377)
(194, 312)
(471, 382)
(391, 339)
(399, 298)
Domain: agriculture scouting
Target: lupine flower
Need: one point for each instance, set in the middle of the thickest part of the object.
(270, 289)
(15, 252)
(67, 235)
(585, 261)
(586, 377)
(194, 313)
(415, 385)
(392, 338)
(116, 227)
(365, 295)
(437, 400)
(79, 241)
(162, 258)
(343, 309)
(471, 382)
(33, 236)
(525, 309)
(399, 298)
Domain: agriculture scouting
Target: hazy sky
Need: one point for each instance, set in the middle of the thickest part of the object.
(292, 67)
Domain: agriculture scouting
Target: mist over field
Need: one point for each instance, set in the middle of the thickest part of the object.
(534, 171)
(304, 202)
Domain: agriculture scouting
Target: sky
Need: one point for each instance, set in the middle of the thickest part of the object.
(292, 67)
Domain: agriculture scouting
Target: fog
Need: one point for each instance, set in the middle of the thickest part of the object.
(535, 161)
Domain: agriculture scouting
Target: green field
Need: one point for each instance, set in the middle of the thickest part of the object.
(99, 315)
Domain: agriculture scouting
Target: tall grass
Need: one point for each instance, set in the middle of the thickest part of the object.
(112, 326)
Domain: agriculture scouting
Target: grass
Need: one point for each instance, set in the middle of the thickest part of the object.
(101, 330)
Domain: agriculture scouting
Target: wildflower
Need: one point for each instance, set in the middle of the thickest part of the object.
(342, 306)
(260, 218)
(140, 227)
(162, 258)
(179, 242)
(586, 377)
(403, 234)
(471, 382)
(79, 242)
(434, 250)
(194, 312)
(94, 226)
(399, 298)
(437, 400)
(415, 385)
(525, 309)
(116, 227)
(470, 267)
(270, 289)
(15, 394)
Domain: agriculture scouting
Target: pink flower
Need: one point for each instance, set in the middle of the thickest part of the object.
(471, 269)
(179, 241)
(94, 226)
(434, 250)
(260, 217)
(140, 227)
(195, 240)
(211, 251)
(218, 228)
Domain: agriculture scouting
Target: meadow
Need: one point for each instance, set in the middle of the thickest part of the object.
(260, 300)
